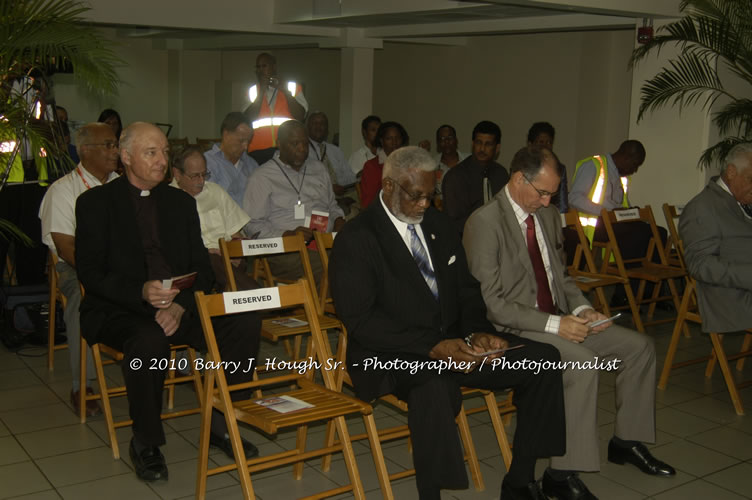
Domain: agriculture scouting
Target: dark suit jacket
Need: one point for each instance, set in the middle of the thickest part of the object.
(384, 301)
(110, 257)
(717, 237)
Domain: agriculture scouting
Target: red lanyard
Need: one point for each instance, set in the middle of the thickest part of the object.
(82, 178)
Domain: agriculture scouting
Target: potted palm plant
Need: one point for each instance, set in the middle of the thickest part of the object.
(714, 38)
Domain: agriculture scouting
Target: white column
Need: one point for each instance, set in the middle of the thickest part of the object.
(356, 95)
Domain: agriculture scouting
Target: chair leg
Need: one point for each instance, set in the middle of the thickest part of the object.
(326, 460)
(634, 307)
(472, 456)
(501, 434)
(300, 444)
(171, 375)
(713, 358)
(668, 363)
(654, 298)
(730, 384)
(745, 347)
(103, 391)
(203, 442)
(82, 380)
(51, 328)
(349, 456)
(378, 457)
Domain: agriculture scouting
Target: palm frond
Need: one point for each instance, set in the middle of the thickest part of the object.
(9, 231)
(715, 154)
(686, 81)
(45, 33)
(735, 118)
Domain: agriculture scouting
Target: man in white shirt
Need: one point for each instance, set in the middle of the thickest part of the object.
(98, 148)
(369, 127)
(219, 215)
(343, 179)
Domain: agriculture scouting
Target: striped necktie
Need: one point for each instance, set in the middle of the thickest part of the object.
(421, 258)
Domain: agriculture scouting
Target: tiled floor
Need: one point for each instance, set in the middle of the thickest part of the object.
(46, 454)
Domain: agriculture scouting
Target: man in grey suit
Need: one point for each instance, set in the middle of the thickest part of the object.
(717, 232)
(514, 247)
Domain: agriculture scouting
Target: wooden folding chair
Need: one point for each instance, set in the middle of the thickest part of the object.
(689, 313)
(671, 213)
(177, 144)
(585, 273)
(288, 326)
(324, 242)
(642, 268)
(327, 404)
(55, 296)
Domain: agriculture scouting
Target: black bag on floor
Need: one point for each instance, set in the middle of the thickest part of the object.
(22, 320)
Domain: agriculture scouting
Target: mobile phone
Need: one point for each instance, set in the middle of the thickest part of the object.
(602, 321)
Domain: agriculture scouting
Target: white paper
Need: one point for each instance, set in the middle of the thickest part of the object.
(284, 404)
(251, 300)
(263, 246)
(629, 214)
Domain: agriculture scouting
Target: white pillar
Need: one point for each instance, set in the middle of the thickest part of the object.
(356, 95)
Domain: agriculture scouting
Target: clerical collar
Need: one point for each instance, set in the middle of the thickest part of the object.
(136, 191)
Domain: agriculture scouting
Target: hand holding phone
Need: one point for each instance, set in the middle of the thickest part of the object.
(496, 351)
(602, 321)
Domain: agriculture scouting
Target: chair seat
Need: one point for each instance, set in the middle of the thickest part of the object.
(653, 272)
(274, 331)
(589, 281)
(326, 405)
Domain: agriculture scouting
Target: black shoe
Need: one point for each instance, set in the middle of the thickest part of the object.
(149, 464)
(224, 444)
(639, 456)
(571, 488)
(531, 491)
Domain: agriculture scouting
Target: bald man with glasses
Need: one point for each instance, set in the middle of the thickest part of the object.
(514, 247)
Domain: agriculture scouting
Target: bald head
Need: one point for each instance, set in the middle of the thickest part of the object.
(293, 143)
(145, 154)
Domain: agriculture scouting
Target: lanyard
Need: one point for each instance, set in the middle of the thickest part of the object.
(316, 150)
(299, 188)
(82, 178)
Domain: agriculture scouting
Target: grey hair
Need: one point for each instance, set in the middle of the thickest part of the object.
(178, 161)
(530, 161)
(84, 133)
(406, 158)
(735, 155)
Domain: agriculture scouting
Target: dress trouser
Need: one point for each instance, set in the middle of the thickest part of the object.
(139, 337)
(435, 399)
(70, 287)
(635, 391)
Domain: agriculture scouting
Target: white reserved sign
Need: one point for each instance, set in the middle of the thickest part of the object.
(264, 246)
(251, 300)
(629, 214)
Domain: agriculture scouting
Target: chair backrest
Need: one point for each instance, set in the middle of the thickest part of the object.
(264, 247)
(672, 212)
(583, 257)
(264, 299)
(178, 143)
(206, 144)
(627, 215)
(324, 242)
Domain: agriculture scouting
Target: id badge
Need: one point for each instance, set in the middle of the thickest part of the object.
(299, 211)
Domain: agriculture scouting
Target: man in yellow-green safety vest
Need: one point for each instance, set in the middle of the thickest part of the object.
(602, 181)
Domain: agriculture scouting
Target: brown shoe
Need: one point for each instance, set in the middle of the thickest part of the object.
(92, 406)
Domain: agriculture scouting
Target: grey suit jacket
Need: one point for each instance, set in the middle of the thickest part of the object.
(718, 249)
(498, 258)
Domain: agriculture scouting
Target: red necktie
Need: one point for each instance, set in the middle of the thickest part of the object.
(545, 301)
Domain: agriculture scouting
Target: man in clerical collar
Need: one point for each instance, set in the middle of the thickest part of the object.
(282, 195)
(131, 234)
(98, 148)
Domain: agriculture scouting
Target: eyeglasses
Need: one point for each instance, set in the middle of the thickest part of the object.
(108, 145)
(415, 198)
(204, 175)
(542, 193)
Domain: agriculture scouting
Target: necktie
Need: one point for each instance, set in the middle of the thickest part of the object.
(545, 301)
(421, 258)
(325, 161)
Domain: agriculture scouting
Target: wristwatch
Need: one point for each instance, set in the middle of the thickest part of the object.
(469, 340)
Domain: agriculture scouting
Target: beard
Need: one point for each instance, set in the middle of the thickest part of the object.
(394, 206)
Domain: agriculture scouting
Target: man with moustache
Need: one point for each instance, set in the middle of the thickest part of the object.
(283, 192)
(131, 234)
(98, 147)
(475, 180)
(400, 283)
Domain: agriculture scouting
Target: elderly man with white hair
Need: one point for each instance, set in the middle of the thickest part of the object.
(716, 228)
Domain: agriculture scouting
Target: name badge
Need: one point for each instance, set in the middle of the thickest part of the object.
(299, 211)
(629, 214)
(251, 300)
(263, 246)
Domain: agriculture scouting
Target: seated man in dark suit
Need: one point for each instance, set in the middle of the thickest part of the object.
(131, 234)
(716, 229)
(401, 285)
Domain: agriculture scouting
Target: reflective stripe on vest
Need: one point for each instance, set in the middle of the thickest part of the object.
(598, 192)
(268, 120)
